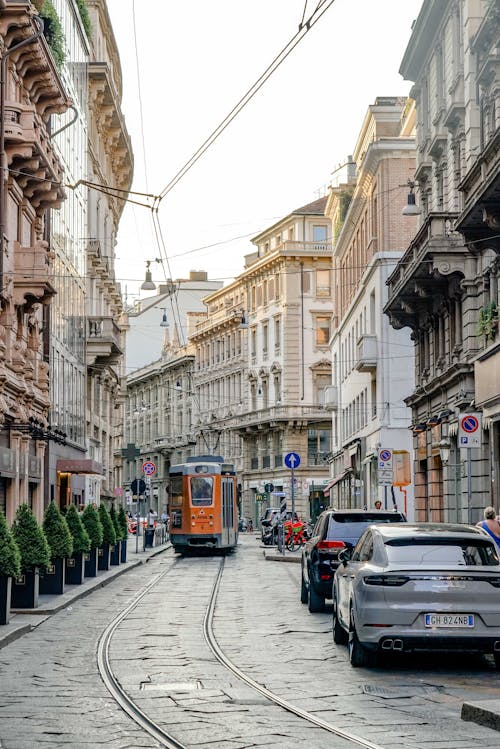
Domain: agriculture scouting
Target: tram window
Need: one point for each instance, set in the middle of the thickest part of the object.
(201, 490)
(176, 491)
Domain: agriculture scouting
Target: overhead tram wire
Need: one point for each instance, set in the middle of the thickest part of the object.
(304, 28)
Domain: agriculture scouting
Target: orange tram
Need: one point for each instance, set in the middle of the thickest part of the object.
(203, 504)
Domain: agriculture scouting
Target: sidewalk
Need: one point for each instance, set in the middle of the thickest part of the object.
(25, 620)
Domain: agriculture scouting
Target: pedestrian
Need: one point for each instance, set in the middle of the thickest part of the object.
(151, 518)
(490, 524)
(378, 504)
(250, 526)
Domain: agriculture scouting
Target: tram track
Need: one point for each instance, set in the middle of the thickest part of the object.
(165, 739)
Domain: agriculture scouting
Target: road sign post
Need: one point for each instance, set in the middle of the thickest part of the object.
(130, 453)
(292, 461)
(469, 436)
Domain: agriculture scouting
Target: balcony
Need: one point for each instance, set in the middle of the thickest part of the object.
(31, 274)
(103, 342)
(294, 417)
(331, 401)
(366, 354)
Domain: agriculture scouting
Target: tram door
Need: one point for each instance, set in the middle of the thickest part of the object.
(228, 534)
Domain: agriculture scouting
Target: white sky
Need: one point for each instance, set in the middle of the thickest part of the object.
(196, 60)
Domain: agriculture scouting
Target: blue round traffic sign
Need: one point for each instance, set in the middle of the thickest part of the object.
(292, 460)
(385, 455)
(148, 468)
(470, 424)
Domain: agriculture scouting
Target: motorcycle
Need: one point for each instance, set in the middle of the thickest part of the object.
(269, 535)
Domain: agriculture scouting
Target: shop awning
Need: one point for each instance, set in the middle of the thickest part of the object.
(334, 481)
(83, 465)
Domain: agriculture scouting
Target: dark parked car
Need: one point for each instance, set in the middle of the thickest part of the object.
(334, 530)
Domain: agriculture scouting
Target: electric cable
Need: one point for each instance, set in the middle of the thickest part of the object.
(248, 96)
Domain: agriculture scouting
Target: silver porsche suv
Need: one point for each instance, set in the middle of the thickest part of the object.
(418, 586)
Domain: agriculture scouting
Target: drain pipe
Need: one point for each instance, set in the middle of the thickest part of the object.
(3, 160)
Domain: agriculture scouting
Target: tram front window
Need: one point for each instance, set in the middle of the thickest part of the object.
(201, 491)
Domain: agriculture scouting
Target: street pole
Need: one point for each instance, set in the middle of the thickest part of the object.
(469, 485)
(293, 494)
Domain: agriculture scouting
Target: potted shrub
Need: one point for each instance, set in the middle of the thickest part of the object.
(75, 568)
(35, 557)
(93, 526)
(122, 520)
(116, 550)
(60, 542)
(108, 539)
(10, 567)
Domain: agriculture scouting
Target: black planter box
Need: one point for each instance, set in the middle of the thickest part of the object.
(24, 593)
(52, 580)
(5, 589)
(75, 569)
(90, 563)
(123, 551)
(103, 556)
(115, 554)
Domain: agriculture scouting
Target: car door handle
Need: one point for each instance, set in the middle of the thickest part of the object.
(352, 577)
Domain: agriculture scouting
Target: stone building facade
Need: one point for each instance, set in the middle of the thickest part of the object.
(372, 364)
(262, 363)
(442, 286)
(110, 164)
(31, 182)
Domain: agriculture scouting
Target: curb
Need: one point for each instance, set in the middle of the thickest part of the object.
(72, 596)
(280, 558)
(485, 713)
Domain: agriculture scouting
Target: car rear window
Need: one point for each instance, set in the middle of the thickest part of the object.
(352, 526)
(464, 553)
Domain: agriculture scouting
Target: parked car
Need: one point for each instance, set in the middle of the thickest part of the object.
(333, 531)
(421, 586)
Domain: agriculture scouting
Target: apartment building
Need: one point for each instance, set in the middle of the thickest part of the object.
(31, 183)
(110, 165)
(372, 364)
(262, 364)
(443, 288)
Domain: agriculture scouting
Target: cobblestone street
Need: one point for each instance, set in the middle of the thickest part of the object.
(51, 693)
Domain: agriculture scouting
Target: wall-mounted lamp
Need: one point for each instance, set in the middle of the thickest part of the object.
(411, 208)
(178, 385)
(164, 319)
(444, 451)
(433, 421)
(243, 321)
(446, 414)
(419, 428)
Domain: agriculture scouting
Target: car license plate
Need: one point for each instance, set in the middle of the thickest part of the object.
(449, 620)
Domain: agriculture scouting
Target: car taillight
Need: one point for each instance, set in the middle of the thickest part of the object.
(386, 580)
(330, 545)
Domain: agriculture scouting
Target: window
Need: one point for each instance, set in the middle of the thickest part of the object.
(322, 331)
(265, 339)
(201, 490)
(320, 234)
(277, 333)
(323, 287)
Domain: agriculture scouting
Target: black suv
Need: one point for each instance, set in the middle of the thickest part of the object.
(333, 531)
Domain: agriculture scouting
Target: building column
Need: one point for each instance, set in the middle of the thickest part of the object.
(38, 494)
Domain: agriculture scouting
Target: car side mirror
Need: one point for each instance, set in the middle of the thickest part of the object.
(345, 555)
